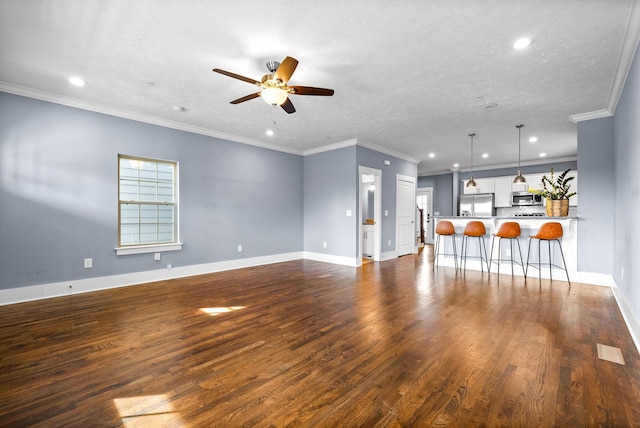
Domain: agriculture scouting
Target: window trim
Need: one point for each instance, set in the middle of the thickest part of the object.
(151, 248)
(145, 249)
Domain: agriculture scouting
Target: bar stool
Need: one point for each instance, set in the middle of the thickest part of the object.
(508, 230)
(445, 228)
(551, 231)
(474, 229)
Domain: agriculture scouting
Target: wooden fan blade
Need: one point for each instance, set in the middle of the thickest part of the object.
(309, 90)
(237, 76)
(288, 106)
(246, 98)
(286, 69)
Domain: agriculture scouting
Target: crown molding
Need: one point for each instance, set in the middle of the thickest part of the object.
(387, 151)
(545, 161)
(627, 52)
(357, 142)
(330, 147)
(138, 117)
(599, 114)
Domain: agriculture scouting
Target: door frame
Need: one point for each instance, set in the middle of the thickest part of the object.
(429, 192)
(377, 212)
(413, 180)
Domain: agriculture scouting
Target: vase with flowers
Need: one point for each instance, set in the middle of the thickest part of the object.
(557, 192)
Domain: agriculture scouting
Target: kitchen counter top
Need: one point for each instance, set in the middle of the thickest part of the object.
(529, 225)
(523, 217)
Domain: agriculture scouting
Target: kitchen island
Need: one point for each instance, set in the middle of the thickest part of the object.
(529, 226)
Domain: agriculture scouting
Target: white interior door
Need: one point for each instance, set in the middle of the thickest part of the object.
(406, 209)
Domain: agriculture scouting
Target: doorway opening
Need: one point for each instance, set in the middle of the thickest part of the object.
(369, 214)
(424, 203)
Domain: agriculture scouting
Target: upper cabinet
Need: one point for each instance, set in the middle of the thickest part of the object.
(503, 189)
(483, 185)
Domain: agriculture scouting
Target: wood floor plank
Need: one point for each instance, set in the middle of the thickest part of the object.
(306, 343)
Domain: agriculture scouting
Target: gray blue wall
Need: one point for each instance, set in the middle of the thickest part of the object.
(442, 192)
(597, 192)
(373, 159)
(58, 184)
(330, 189)
(626, 212)
(58, 187)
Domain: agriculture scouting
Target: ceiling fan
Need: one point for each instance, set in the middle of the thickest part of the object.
(274, 86)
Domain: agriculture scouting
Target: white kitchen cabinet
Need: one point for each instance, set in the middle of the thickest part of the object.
(483, 185)
(368, 240)
(502, 187)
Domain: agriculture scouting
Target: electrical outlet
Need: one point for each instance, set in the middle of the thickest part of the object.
(156, 257)
(239, 248)
(88, 263)
(348, 213)
(324, 244)
(169, 266)
(389, 242)
(386, 213)
(507, 252)
(622, 273)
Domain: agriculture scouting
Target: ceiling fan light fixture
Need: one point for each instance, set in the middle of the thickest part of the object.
(274, 96)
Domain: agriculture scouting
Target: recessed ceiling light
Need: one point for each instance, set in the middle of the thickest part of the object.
(179, 109)
(269, 132)
(543, 155)
(533, 139)
(485, 155)
(456, 165)
(76, 81)
(522, 43)
(432, 155)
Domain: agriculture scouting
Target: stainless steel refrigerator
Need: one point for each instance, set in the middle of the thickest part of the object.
(478, 205)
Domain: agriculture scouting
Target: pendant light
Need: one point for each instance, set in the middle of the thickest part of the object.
(519, 178)
(471, 182)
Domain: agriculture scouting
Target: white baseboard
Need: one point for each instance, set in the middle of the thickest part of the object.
(328, 258)
(629, 317)
(388, 255)
(65, 288)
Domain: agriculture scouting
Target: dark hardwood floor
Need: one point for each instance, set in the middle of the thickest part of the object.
(310, 344)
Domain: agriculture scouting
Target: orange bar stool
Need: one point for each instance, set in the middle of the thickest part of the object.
(475, 229)
(445, 228)
(508, 230)
(551, 231)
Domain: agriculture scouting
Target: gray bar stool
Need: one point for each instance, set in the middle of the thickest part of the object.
(508, 230)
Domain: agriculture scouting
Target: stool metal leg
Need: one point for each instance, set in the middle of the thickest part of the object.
(563, 262)
(521, 259)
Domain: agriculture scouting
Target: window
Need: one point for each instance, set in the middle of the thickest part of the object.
(147, 205)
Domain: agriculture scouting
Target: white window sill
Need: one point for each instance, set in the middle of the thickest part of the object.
(144, 249)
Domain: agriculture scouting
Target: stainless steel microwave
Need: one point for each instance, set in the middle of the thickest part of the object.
(525, 199)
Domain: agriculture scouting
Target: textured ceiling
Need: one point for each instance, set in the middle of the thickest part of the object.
(412, 77)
